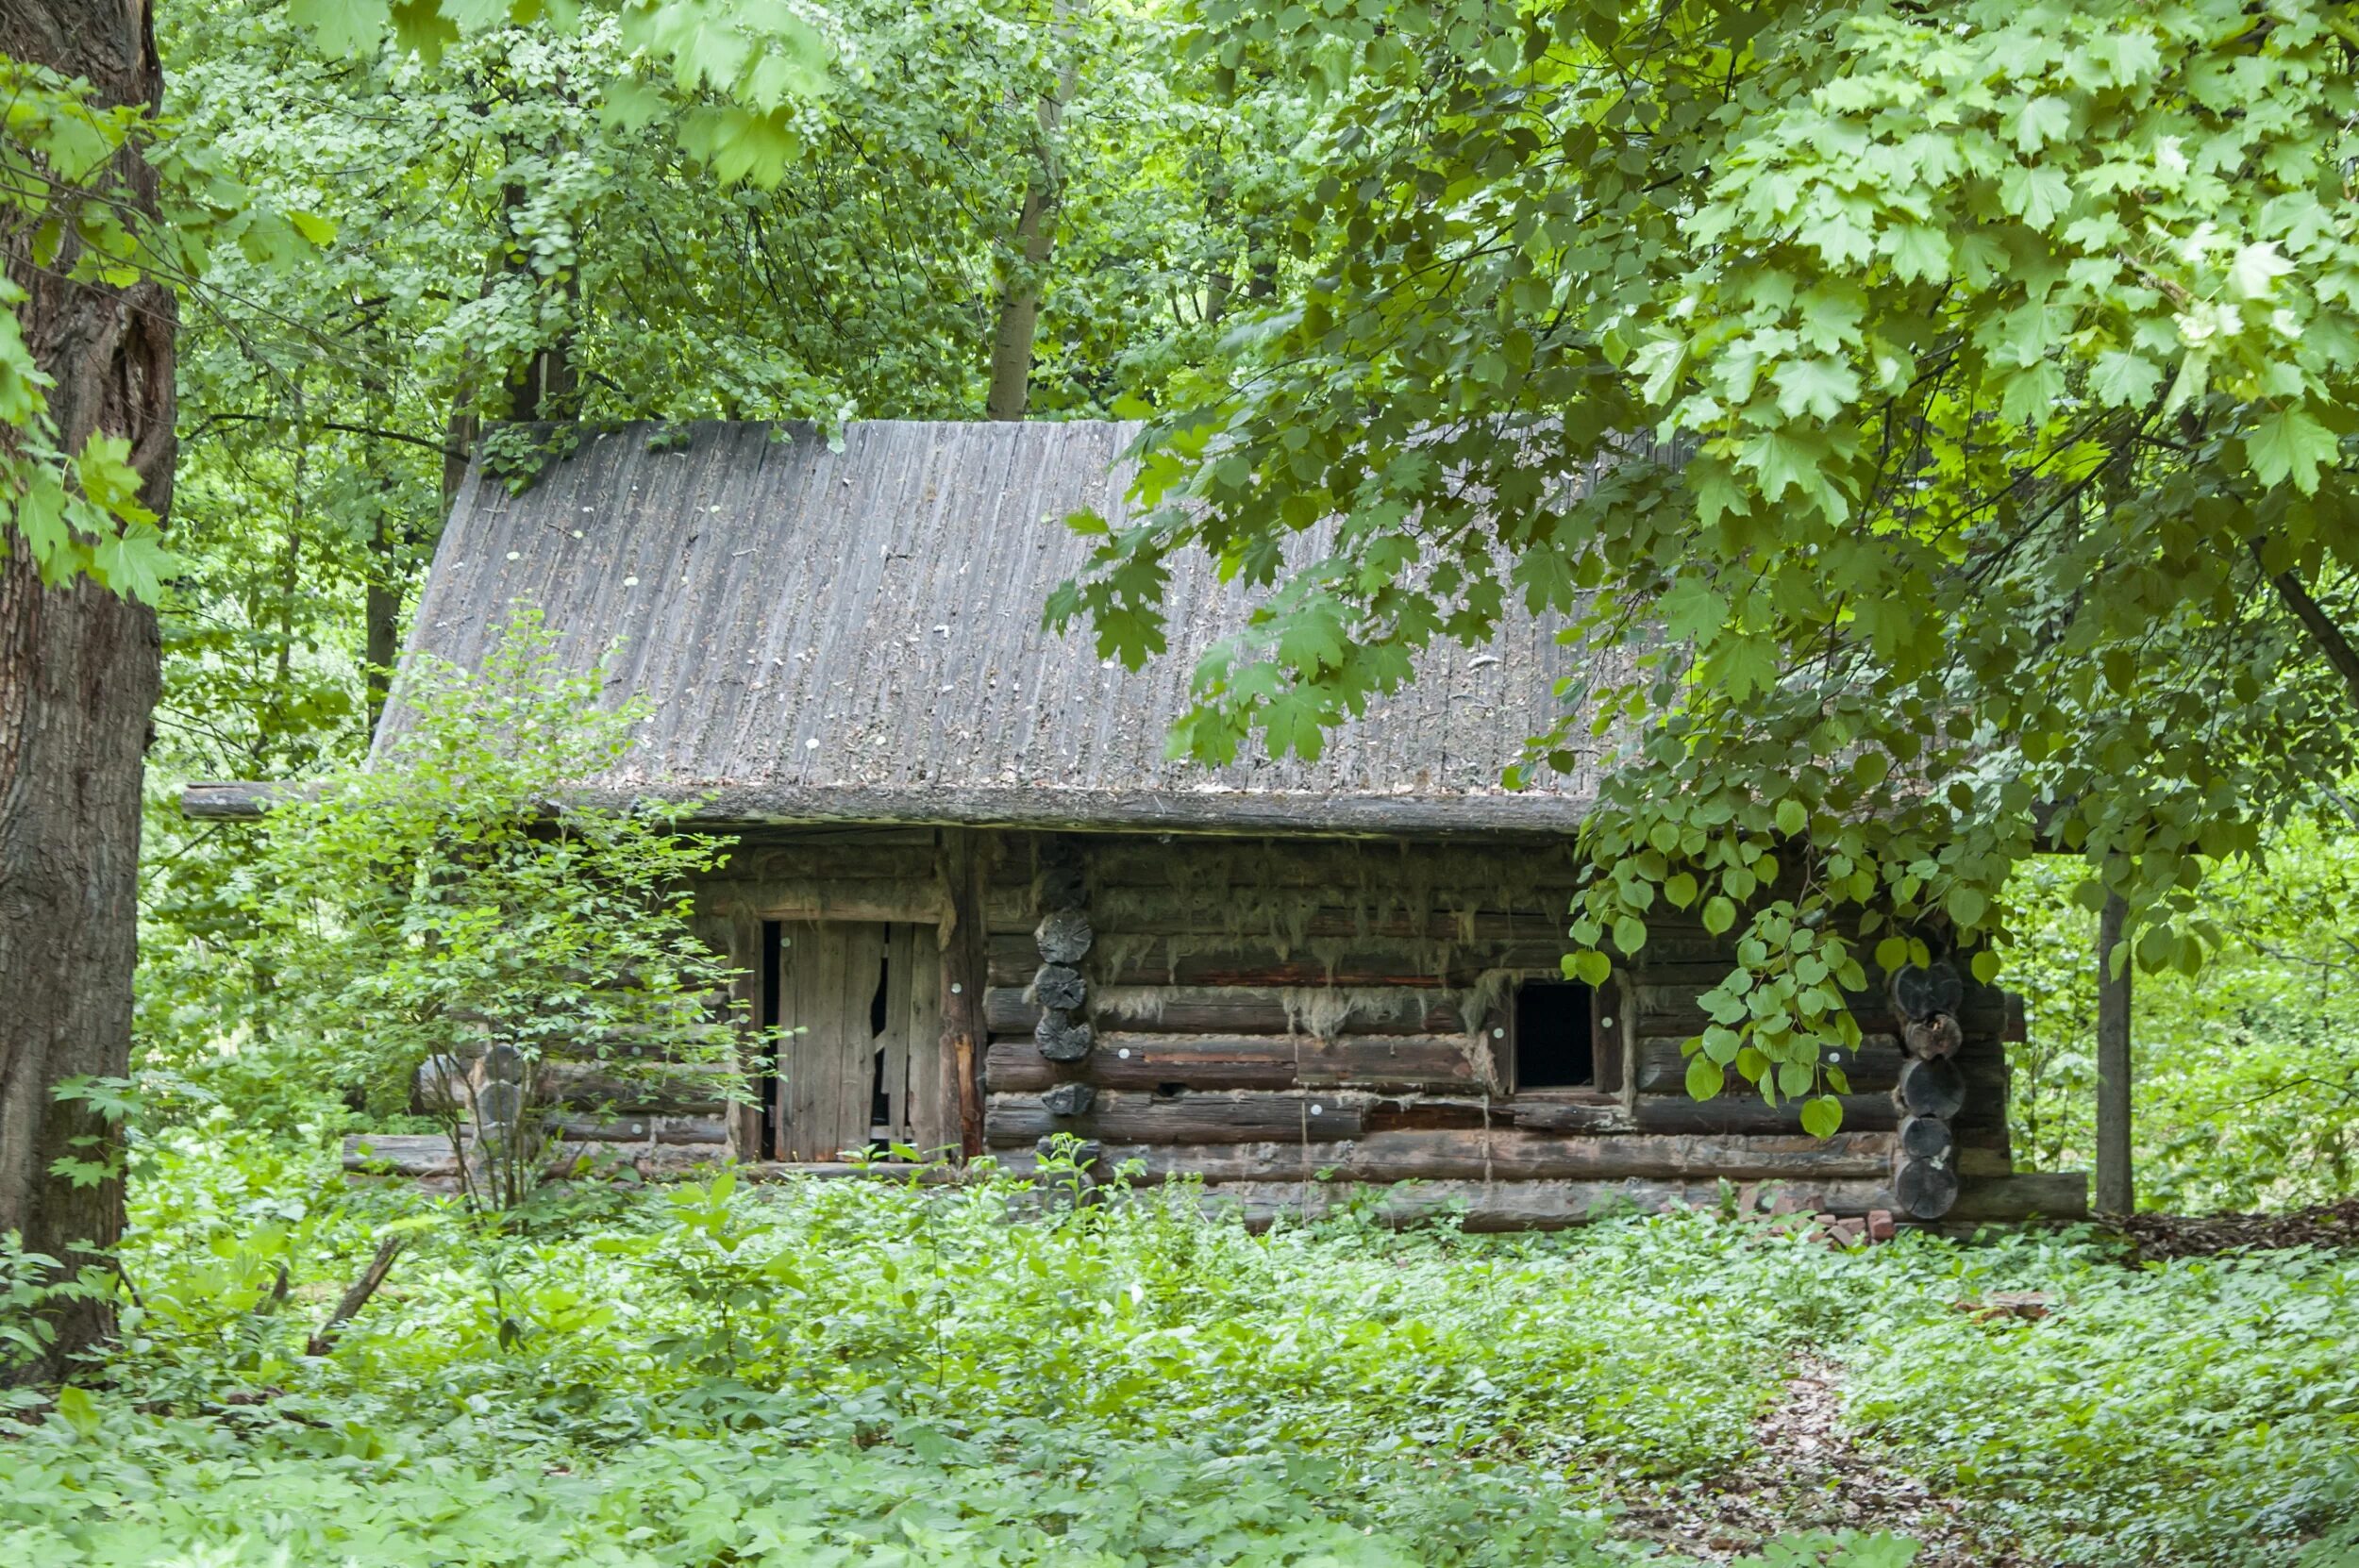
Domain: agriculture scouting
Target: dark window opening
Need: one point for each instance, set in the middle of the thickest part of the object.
(1554, 1046)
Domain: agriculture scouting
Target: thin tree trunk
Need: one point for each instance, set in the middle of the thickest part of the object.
(1024, 274)
(2114, 1191)
(79, 671)
(380, 615)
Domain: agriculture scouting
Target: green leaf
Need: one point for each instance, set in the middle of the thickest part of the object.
(1705, 1078)
(1589, 966)
(1822, 1116)
(1819, 387)
(1720, 914)
(1792, 817)
(2042, 120)
(2289, 444)
(320, 231)
(79, 1410)
(1986, 965)
(2124, 381)
(1629, 935)
(341, 28)
(2254, 272)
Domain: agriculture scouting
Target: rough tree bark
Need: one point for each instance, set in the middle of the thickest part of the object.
(2116, 1193)
(79, 669)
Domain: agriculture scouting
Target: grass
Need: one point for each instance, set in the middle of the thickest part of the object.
(865, 1372)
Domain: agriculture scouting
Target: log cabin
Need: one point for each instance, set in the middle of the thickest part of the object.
(994, 910)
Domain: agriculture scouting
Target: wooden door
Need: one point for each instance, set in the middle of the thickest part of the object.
(862, 1066)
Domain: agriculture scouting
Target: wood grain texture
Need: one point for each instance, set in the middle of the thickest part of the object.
(1128, 1061)
(1508, 1154)
(1213, 1010)
(1190, 1116)
(1495, 1207)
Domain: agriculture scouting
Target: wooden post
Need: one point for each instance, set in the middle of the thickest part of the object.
(964, 972)
(2115, 1192)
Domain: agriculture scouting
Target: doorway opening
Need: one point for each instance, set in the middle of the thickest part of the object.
(852, 1007)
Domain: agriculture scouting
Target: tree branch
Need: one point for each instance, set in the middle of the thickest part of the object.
(2314, 619)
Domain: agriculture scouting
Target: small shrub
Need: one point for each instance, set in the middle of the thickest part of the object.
(455, 909)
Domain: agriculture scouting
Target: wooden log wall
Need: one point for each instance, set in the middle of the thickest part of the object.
(1277, 1015)
(1256, 1011)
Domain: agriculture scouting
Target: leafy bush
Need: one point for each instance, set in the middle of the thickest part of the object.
(453, 907)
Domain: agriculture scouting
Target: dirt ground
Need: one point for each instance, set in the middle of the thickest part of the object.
(2164, 1236)
(1812, 1476)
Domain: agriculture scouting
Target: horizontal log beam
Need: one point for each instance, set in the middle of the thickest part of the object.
(1197, 962)
(1213, 1010)
(2024, 1195)
(1874, 1068)
(1378, 866)
(1198, 1116)
(1602, 1114)
(1741, 1110)
(1676, 1011)
(1125, 1060)
(1133, 912)
(639, 1129)
(1498, 1207)
(1507, 1154)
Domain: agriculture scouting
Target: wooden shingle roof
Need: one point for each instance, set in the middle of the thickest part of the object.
(854, 636)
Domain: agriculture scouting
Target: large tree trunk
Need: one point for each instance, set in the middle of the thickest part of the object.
(79, 669)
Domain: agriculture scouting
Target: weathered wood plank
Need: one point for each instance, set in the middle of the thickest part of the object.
(1743, 1111)
(1128, 1061)
(2026, 1194)
(1193, 1116)
(1497, 1206)
(1327, 961)
(1676, 1011)
(851, 899)
(1602, 1114)
(1875, 1067)
(1509, 1154)
(966, 867)
(1211, 1009)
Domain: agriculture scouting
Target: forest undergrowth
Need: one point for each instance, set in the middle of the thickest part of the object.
(820, 1371)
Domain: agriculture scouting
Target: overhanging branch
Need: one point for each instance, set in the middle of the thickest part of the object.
(2321, 625)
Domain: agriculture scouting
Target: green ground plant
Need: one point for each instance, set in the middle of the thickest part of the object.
(884, 1372)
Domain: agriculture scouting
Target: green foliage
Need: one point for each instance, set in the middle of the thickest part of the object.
(970, 1375)
(2244, 1077)
(61, 208)
(450, 899)
(1926, 419)
(2201, 1412)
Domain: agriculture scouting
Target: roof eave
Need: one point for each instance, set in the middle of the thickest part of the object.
(740, 807)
